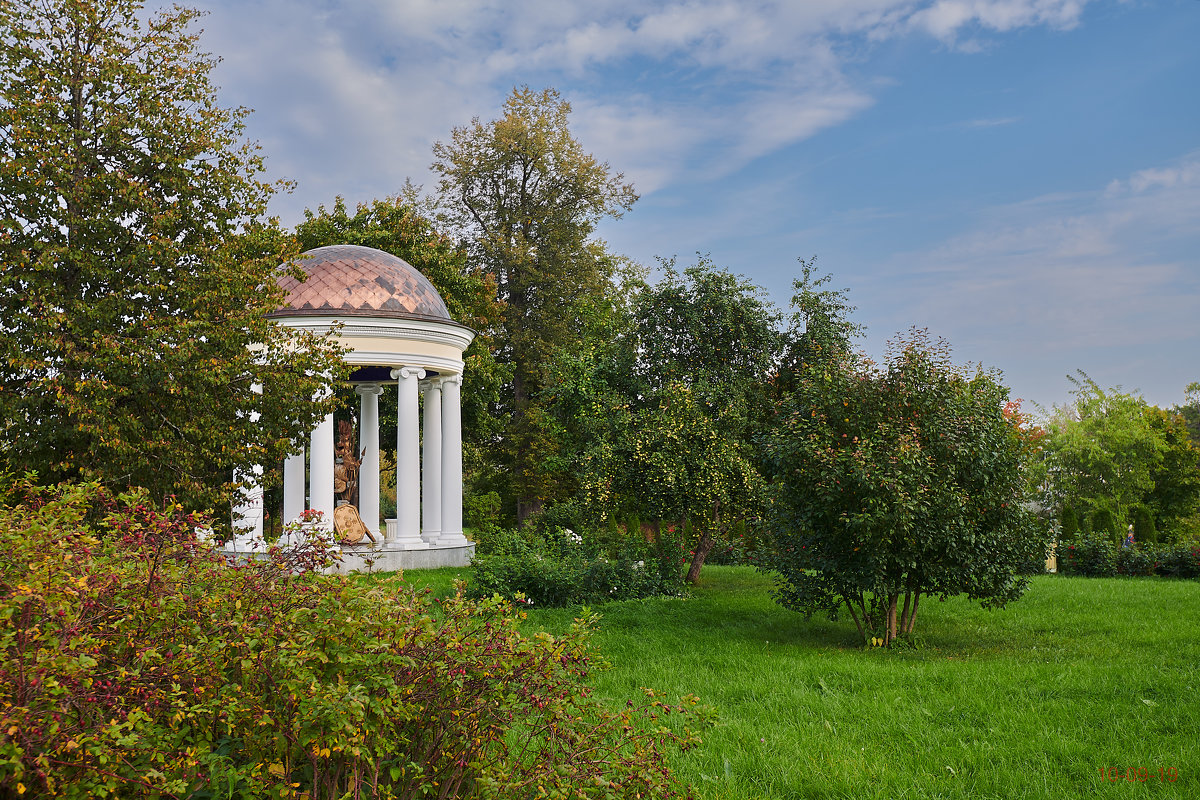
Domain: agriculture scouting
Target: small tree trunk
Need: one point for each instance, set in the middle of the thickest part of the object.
(904, 613)
(861, 631)
(893, 600)
(526, 509)
(703, 547)
(912, 618)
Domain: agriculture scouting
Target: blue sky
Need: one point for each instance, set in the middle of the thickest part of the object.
(1022, 177)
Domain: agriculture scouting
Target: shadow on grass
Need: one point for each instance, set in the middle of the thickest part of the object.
(731, 608)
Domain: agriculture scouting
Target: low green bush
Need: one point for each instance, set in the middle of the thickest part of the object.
(1095, 556)
(560, 568)
(1137, 560)
(138, 661)
(1180, 560)
(1091, 554)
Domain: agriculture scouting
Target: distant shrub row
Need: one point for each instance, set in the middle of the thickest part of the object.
(1100, 556)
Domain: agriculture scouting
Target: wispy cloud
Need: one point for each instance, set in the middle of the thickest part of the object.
(355, 93)
(995, 122)
(1107, 277)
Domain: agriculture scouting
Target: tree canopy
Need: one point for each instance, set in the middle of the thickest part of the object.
(1110, 452)
(897, 482)
(525, 197)
(654, 413)
(135, 269)
(819, 326)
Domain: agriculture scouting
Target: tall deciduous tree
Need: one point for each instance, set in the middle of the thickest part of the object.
(658, 407)
(527, 198)
(712, 331)
(898, 483)
(1190, 410)
(1111, 450)
(134, 271)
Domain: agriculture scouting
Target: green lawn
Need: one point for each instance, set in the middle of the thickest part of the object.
(1032, 701)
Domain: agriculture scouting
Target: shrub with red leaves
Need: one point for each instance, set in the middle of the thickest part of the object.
(139, 661)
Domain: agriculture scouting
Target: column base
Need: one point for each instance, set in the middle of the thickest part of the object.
(394, 541)
(452, 539)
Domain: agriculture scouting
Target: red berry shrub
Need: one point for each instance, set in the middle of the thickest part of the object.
(139, 662)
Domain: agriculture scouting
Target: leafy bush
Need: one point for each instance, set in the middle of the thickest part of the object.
(138, 661)
(481, 516)
(897, 482)
(742, 545)
(1180, 561)
(560, 568)
(1091, 555)
(1137, 560)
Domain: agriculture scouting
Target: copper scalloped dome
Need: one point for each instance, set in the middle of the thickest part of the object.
(351, 280)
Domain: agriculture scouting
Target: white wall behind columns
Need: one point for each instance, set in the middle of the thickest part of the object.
(452, 484)
(408, 459)
(368, 474)
(431, 463)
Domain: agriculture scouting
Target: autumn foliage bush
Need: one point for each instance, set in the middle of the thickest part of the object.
(138, 661)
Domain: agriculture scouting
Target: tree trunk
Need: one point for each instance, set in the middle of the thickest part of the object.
(912, 618)
(861, 631)
(703, 547)
(893, 599)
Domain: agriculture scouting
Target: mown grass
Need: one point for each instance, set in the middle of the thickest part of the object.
(1032, 701)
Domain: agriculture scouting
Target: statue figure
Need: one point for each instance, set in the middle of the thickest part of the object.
(346, 464)
(346, 522)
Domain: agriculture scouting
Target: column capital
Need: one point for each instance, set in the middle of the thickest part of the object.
(363, 389)
(455, 378)
(408, 372)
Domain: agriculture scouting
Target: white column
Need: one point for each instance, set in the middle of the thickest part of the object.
(293, 487)
(431, 464)
(248, 516)
(452, 532)
(320, 472)
(408, 460)
(368, 471)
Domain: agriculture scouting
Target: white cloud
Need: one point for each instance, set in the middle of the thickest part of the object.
(945, 19)
(1184, 175)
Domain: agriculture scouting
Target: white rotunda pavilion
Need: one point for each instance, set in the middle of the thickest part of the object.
(398, 334)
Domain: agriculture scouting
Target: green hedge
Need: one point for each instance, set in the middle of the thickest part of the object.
(560, 568)
(1097, 556)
